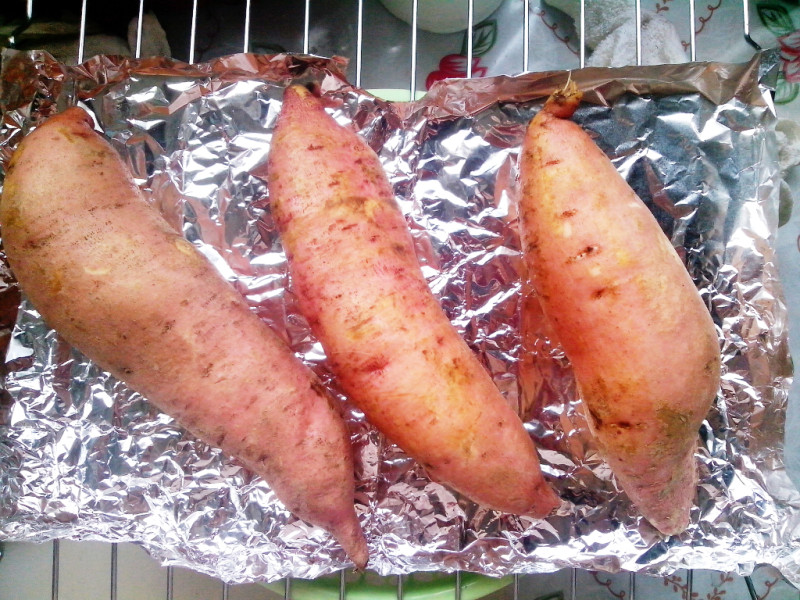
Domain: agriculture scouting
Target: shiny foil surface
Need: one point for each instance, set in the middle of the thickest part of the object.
(83, 457)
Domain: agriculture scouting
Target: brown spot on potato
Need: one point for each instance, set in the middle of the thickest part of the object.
(359, 205)
(675, 424)
(54, 282)
(399, 248)
(711, 365)
(374, 364)
(314, 147)
(456, 372)
(570, 212)
(598, 422)
(13, 162)
(590, 250)
(36, 243)
(552, 163)
(600, 292)
(359, 326)
(211, 298)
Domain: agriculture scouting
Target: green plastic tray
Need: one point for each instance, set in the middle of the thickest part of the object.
(425, 586)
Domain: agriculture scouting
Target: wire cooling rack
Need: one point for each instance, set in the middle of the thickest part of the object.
(395, 587)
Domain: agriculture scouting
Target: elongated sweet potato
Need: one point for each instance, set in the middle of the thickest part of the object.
(392, 348)
(641, 341)
(109, 274)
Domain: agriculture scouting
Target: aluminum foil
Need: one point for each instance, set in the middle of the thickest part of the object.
(83, 457)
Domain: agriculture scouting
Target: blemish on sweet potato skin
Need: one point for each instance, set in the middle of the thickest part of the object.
(587, 251)
(605, 292)
(374, 364)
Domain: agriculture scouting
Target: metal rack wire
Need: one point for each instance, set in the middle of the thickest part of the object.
(469, 22)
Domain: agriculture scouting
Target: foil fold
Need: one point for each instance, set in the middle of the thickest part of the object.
(83, 457)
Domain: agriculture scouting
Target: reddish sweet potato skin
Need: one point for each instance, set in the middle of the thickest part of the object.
(640, 339)
(393, 350)
(118, 283)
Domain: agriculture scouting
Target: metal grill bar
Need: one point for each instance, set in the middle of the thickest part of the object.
(287, 588)
(751, 589)
(470, 18)
(399, 587)
(114, 570)
(516, 586)
(225, 591)
(692, 35)
(413, 86)
(526, 44)
(638, 32)
(746, 13)
(573, 585)
(54, 570)
(82, 40)
(170, 582)
(193, 31)
(583, 33)
(306, 20)
(632, 586)
(359, 41)
(139, 26)
(246, 43)
(342, 585)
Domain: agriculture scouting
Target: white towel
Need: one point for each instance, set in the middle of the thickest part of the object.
(610, 27)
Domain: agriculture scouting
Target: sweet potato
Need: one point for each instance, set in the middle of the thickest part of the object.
(389, 343)
(640, 339)
(106, 271)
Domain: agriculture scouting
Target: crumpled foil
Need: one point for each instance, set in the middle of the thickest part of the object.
(83, 457)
